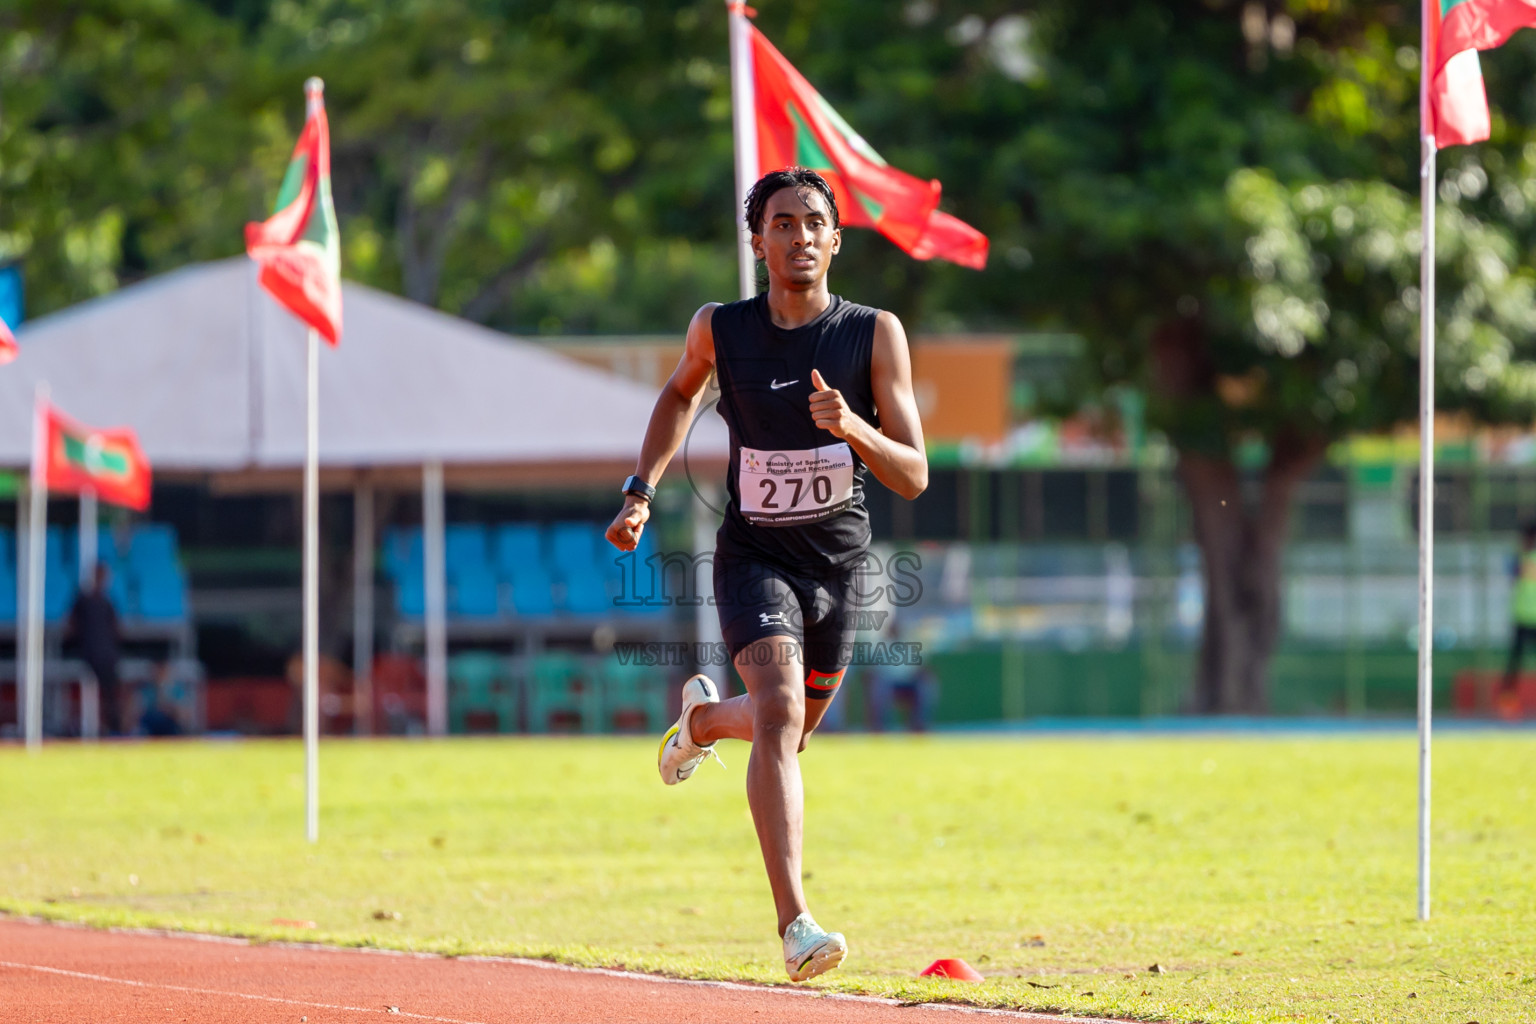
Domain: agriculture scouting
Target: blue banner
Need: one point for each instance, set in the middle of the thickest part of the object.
(12, 311)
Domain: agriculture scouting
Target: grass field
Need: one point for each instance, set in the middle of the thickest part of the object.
(1272, 879)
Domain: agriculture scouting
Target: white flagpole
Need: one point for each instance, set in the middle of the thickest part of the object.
(314, 99)
(435, 584)
(744, 122)
(312, 595)
(1426, 456)
(37, 533)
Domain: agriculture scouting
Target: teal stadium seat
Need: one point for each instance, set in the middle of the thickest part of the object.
(560, 690)
(480, 684)
(634, 697)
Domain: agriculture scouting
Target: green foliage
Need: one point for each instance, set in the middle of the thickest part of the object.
(1140, 166)
(1061, 868)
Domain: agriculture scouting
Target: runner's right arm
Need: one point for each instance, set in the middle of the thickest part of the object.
(670, 420)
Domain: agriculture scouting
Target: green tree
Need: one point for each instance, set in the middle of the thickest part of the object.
(1223, 200)
(118, 126)
(1220, 196)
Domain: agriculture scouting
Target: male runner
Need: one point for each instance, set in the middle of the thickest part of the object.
(802, 376)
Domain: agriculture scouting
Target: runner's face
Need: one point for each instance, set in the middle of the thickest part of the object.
(797, 239)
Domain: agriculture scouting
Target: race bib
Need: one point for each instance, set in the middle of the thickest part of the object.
(791, 488)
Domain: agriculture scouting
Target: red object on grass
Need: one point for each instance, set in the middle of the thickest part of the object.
(955, 970)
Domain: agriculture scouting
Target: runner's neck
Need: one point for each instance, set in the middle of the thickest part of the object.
(790, 308)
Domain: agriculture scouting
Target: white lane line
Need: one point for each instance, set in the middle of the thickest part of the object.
(228, 995)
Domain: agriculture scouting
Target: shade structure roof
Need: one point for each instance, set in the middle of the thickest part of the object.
(211, 374)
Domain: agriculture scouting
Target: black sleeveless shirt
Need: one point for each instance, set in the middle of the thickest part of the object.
(765, 388)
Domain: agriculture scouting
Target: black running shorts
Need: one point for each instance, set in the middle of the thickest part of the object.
(758, 599)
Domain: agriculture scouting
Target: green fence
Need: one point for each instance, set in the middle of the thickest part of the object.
(998, 682)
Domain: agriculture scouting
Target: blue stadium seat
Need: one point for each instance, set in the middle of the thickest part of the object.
(153, 544)
(586, 593)
(572, 546)
(162, 593)
(646, 582)
(410, 597)
(62, 549)
(118, 593)
(7, 594)
(472, 591)
(106, 548)
(401, 552)
(59, 589)
(464, 544)
(532, 592)
(518, 546)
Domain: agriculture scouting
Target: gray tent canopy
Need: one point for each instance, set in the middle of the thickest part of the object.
(210, 372)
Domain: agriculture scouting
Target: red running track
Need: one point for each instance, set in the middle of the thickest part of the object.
(57, 973)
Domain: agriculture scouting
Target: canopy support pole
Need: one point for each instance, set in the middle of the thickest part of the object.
(362, 609)
(434, 564)
(37, 534)
(23, 509)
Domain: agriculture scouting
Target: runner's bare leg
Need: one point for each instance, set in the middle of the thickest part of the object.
(774, 790)
(732, 720)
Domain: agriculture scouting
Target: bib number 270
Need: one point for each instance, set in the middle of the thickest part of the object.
(821, 490)
(787, 488)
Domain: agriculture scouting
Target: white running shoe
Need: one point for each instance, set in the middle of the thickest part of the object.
(809, 951)
(678, 755)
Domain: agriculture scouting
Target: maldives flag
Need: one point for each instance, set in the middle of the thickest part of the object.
(1456, 112)
(298, 247)
(8, 349)
(796, 127)
(72, 457)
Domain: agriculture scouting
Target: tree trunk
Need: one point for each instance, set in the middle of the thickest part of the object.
(1241, 544)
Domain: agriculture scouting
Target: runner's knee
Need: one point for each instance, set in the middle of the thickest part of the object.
(779, 712)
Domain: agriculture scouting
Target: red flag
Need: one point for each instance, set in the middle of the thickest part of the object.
(73, 457)
(298, 247)
(1456, 112)
(795, 126)
(8, 349)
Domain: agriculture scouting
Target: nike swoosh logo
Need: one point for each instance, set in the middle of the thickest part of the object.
(775, 385)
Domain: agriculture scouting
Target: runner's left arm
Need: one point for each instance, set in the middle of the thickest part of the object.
(894, 451)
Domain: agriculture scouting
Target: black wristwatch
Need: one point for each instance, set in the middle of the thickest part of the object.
(639, 488)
